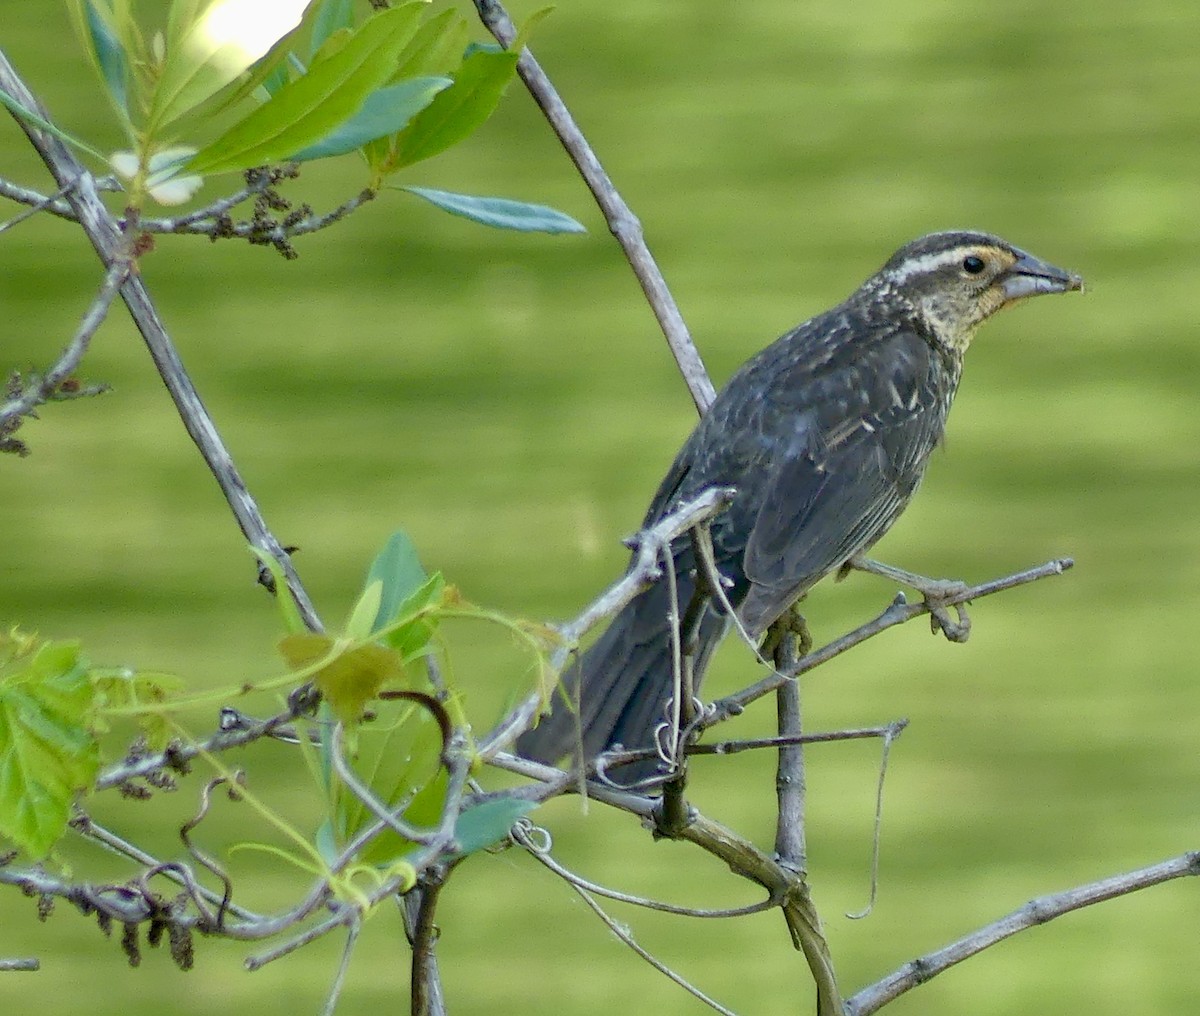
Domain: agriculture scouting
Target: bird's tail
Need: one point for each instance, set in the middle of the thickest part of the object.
(617, 692)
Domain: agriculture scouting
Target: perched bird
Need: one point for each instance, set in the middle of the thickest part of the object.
(825, 435)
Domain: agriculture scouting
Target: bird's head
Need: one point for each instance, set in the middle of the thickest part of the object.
(957, 280)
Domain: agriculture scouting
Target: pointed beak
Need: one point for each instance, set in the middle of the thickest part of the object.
(1029, 276)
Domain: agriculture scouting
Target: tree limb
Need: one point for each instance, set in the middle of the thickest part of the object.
(1035, 912)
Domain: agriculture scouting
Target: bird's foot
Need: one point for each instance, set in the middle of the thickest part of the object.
(787, 640)
(941, 595)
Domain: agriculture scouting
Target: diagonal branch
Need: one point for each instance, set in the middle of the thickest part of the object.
(1033, 913)
(109, 242)
(898, 612)
(623, 224)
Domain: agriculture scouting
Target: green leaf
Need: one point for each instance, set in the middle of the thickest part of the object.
(398, 755)
(385, 112)
(399, 570)
(437, 48)
(110, 56)
(412, 639)
(331, 15)
(458, 111)
(123, 688)
(362, 618)
(488, 822)
(48, 753)
(348, 677)
(196, 68)
(500, 212)
(307, 109)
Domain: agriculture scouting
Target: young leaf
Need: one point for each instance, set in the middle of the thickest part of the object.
(459, 110)
(308, 108)
(122, 688)
(362, 618)
(331, 15)
(412, 639)
(109, 55)
(488, 822)
(500, 212)
(386, 111)
(436, 48)
(200, 64)
(348, 679)
(399, 569)
(47, 751)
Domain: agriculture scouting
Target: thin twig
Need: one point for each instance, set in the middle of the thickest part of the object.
(621, 220)
(898, 612)
(1032, 914)
(108, 242)
(626, 936)
(339, 978)
(889, 739)
(18, 963)
(44, 388)
(522, 837)
(176, 756)
(644, 570)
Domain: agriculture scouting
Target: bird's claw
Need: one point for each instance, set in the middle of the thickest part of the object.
(936, 594)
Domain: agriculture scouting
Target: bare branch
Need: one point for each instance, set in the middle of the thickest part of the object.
(645, 569)
(898, 612)
(339, 978)
(177, 755)
(44, 388)
(19, 964)
(621, 220)
(426, 984)
(1033, 913)
(522, 834)
(626, 936)
(108, 242)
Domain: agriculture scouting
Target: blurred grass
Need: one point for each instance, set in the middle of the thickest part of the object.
(507, 400)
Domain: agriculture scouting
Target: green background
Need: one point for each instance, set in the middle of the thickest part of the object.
(507, 400)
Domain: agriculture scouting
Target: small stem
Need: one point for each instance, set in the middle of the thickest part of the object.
(623, 224)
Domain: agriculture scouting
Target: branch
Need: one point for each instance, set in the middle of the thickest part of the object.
(899, 612)
(47, 386)
(623, 224)
(1035, 912)
(108, 242)
(645, 568)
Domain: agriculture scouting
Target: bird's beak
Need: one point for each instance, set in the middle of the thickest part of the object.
(1029, 276)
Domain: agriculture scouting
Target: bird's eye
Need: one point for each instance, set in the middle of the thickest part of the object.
(972, 264)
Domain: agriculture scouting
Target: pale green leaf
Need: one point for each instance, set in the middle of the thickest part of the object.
(385, 112)
(48, 753)
(500, 212)
(362, 618)
(197, 67)
(109, 54)
(488, 822)
(330, 16)
(398, 570)
(307, 109)
(455, 113)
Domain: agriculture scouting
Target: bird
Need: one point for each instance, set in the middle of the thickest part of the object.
(824, 437)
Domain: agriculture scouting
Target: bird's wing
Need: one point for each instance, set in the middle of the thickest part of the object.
(843, 474)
